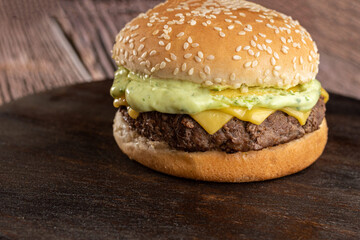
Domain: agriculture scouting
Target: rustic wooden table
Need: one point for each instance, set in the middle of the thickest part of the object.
(47, 44)
(63, 177)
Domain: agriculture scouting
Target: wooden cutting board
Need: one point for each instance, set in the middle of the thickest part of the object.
(63, 177)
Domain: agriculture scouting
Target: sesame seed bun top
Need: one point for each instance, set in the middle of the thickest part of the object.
(218, 42)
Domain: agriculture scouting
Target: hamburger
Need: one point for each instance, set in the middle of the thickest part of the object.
(218, 90)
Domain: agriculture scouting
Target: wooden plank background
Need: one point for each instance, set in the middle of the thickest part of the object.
(47, 44)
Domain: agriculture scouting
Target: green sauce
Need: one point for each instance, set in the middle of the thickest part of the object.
(146, 94)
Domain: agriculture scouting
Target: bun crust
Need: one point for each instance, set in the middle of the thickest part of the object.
(218, 43)
(269, 163)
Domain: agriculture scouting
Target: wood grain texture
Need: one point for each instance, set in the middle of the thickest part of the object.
(62, 176)
(45, 44)
(34, 55)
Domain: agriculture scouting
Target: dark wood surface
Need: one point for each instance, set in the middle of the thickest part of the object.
(46, 44)
(62, 176)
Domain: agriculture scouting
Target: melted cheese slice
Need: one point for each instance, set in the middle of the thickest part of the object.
(213, 120)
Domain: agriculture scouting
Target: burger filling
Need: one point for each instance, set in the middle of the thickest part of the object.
(182, 132)
(192, 117)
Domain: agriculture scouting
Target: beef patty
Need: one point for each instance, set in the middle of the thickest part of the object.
(182, 132)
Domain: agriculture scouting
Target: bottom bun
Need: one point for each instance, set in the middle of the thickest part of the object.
(268, 163)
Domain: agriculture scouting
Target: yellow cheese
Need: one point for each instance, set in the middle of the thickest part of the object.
(256, 115)
(325, 94)
(121, 101)
(212, 120)
(300, 116)
(132, 113)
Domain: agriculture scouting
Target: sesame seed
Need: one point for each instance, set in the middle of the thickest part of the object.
(276, 73)
(254, 63)
(180, 34)
(152, 53)
(247, 29)
(246, 48)
(276, 55)
(277, 68)
(173, 57)
(142, 39)
(238, 22)
(156, 32)
(259, 20)
(301, 60)
(190, 40)
(176, 71)
(232, 77)
(238, 49)
(273, 61)
(284, 50)
(247, 64)
(192, 22)
(242, 14)
(222, 34)
(132, 45)
(191, 71)
(197, 59)
(210, 57)
(231, 27)
(141, 47)
(228, 20)
(259, 47)
(269, 50)
(168, 46)
(257, 54)
(262, 35)
(208, 83)
(149, 24)
(187, 55)
(161, 43)
(143, 55)
(194, 45)
(207, 69)
(310, 58)
(147, 71)
(236, 57)
(242, 33)
(162, 65)
(294, 60)
(167, 59)
(268, 41)
(153, 69)
(183, 67)
(186, 45)
(251, 52)
(253, 43)
(200, 54)
(218, 80)
(202, 75)
(255, 37)
(204, 24)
